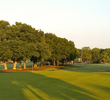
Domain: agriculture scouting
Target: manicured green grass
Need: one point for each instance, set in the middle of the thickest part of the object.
(75, 82)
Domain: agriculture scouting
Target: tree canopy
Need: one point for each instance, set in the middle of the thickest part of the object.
(21, 41)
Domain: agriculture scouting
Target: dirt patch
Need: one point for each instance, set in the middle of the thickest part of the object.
(30, 69)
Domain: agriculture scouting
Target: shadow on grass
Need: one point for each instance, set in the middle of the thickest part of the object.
(102, 88)
(8, 91)
(39, 87)
(88, 68)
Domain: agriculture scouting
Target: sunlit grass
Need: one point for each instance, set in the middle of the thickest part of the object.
(71, 83)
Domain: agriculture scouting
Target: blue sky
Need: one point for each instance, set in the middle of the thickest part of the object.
(86, 22)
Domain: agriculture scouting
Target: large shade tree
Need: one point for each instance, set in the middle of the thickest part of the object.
(55, 45)
(60, 48)
(5, 52)
(29, 45)
(96, 56)
(43, 48)
(86, 54)
(105, 55)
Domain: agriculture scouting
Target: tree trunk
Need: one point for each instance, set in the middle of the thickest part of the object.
(73, 61)
(63, 62)
(20, 64)
(5, 65)
(66, 62)
(42, 62)
(49, 64)
(35, 65)
(104, 61)
(54, 63)
(24, 64)
(57, 62)
(14, 65)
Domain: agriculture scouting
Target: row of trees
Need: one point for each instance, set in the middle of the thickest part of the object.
(20, 42)
(95, 55)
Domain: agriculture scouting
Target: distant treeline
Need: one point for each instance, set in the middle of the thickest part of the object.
(94, 55)
(21, 42)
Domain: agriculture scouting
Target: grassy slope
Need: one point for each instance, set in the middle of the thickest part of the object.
(72, 83)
